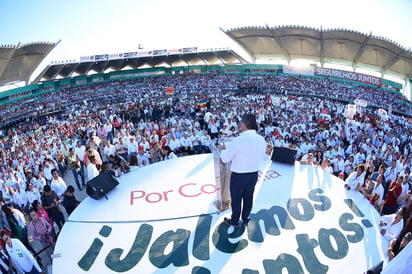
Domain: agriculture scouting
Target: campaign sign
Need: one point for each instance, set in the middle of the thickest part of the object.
(169, 90)
(163, 219)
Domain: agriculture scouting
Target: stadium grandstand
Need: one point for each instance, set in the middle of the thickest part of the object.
(17, 63)
(293, 50)
(337, 98)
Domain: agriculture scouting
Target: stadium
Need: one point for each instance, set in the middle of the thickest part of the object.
(315, 91)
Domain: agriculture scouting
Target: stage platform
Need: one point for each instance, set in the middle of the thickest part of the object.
(163, 219)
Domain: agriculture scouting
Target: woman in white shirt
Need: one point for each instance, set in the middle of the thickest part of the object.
(349, 165)
(57, 184)
(169, 154)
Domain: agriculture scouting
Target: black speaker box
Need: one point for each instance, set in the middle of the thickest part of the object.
(376, 269)
(100, 185)
(284, 155)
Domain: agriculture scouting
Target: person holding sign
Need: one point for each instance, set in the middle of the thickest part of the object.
(245, 152)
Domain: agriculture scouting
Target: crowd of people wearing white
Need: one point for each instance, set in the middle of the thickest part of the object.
(134, 124)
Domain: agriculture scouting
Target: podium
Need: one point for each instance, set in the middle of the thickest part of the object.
(222, 178)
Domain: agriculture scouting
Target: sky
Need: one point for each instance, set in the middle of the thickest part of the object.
(90, 27)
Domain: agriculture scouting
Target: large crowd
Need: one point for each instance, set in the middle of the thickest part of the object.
(117, 125)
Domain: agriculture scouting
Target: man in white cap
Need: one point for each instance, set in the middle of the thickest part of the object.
(133, 147)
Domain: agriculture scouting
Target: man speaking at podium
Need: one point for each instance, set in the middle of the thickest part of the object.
(245, 152)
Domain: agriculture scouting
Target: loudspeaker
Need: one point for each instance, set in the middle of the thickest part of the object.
(284, 155)
(100, 185)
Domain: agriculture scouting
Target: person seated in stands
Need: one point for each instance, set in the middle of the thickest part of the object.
(390, 204)
(224, 132)
(404, 196)
(377, 193)
(142, 157)
(326, 166)
(351, 150)
(391, 225)
(318, 158)
(380, 172)
(156, 153)
(108, 150)
(391, 174)
(269, 149)
(132, 147)
(287, 142)
(396, 245)
(307, 147)
(174, 144)
(196, 142)
(356, 178)
(169, 154)
(307, 159)
(145, 144)
(186, 144)
(205, 141)
(367, 189)
(328, 153)
(374, 200)
(338, 164)
(360, 157)
(349, 166)
(300, 151)
(121, 148)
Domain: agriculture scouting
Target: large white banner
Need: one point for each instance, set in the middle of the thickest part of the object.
(163, 219)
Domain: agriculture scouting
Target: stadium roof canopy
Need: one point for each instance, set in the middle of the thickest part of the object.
(286, 43)
(17, 63)
(143, 59)
(324, 46)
